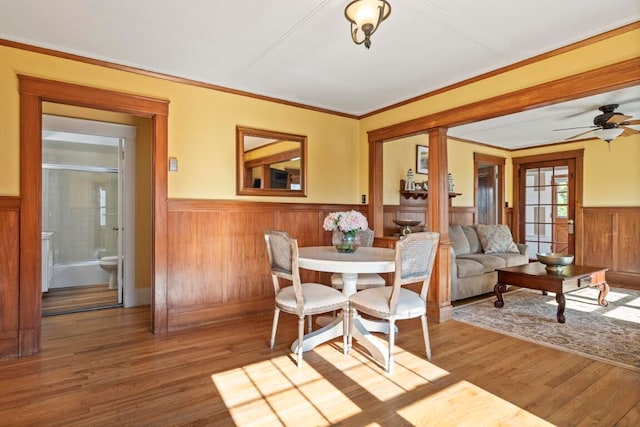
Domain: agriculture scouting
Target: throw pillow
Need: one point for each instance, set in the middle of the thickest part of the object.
(496, 239)
(459, 241)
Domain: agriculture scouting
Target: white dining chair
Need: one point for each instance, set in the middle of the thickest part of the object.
(365, 280)
(301, 299)
(415, 255)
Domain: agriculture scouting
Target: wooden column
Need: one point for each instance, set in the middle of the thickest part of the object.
(30, 299)
(439, 301)
(376, 207)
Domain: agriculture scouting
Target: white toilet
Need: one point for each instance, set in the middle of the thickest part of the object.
(110, 265)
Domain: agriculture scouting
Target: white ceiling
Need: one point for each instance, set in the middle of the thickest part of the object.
(301, 51)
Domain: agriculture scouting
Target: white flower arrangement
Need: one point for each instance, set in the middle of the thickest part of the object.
(349, 221)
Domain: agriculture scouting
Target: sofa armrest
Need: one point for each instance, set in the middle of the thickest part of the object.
(454, 268)
(523, 248)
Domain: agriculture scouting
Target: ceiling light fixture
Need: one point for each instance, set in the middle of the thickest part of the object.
(608, 134)
(365, 17)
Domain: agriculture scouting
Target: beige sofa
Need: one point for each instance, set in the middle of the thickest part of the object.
(476, 251)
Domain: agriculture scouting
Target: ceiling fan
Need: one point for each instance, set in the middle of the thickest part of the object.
(609, 125)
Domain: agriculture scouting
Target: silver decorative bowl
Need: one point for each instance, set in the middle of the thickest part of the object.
(555, 261)
(405, 225)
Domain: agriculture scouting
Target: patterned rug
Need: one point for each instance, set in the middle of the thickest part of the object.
(609, 334)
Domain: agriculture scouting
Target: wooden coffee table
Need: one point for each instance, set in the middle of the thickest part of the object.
(535, 276)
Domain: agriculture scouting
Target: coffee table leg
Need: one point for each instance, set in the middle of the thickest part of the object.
(499, 289)
(561, 303)
(604, 291)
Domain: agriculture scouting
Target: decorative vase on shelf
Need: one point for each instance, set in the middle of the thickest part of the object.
(347, 241)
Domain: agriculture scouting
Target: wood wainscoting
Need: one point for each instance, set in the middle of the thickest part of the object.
(217, 266)
(217, 262)
(9, 274)
(611, 238)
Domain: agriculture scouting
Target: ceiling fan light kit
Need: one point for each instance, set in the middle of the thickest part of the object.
(365, 17)
(609, 125)
(608, 135)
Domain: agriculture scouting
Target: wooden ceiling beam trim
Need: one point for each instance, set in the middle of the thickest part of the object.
(612, 77)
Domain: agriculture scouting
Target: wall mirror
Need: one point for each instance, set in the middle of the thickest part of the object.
(271, 163)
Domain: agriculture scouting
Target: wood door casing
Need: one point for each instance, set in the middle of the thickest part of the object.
(573, 160)
(33, 91)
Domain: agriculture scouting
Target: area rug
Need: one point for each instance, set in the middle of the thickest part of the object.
(610, 334)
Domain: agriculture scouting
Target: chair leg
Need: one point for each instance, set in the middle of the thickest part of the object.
(349, 315)
(309, 324)
(274, 327)
(300, 339)
(392, 338)
(345, 330)
(425, 332)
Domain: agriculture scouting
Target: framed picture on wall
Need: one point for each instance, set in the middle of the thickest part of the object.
(422, 159)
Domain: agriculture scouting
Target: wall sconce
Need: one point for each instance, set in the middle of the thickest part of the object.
(365, 17)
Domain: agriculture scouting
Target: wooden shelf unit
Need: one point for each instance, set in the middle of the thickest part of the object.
(419, 194)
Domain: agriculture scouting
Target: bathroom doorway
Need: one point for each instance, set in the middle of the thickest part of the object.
(88, 191)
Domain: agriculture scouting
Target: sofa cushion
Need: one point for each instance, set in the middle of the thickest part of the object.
(472, 237)
(496, 238)
(459, 241)
(469, 267)
(489, 262)
(513, 259)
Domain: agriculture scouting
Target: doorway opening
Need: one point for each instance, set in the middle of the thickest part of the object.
(489, 188)
(547, 188)
(88, 214)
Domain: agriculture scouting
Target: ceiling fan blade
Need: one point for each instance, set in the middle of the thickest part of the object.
(630, 122)
(580, 134)
(579, 127)
(629, 131)
(618, 118)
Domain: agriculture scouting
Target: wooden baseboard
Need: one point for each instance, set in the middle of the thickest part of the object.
(628, 279)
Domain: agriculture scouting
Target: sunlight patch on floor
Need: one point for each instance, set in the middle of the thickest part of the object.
(409, 372)
(579, 304)
(586, 300)
(277, 392)
(626, 313)
(481, 408)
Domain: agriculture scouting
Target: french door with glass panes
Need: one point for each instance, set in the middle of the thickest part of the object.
(548, 206)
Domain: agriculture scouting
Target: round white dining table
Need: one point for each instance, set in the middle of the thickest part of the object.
(349, 265)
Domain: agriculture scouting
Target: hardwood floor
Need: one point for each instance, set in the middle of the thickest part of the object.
(106, 368)
(78, 298)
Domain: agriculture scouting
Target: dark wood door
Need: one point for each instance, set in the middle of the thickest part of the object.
(486, 196)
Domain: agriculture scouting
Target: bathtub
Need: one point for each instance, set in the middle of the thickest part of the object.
(77, 274)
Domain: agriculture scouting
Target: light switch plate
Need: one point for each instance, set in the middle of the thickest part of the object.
(173, 164)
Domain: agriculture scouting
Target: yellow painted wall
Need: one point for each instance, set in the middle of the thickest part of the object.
(460, 164)
(603, 191)
(201, 130)
(611, 173)
(400, 155)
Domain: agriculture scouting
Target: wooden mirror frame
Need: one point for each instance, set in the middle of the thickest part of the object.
(244, 183)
